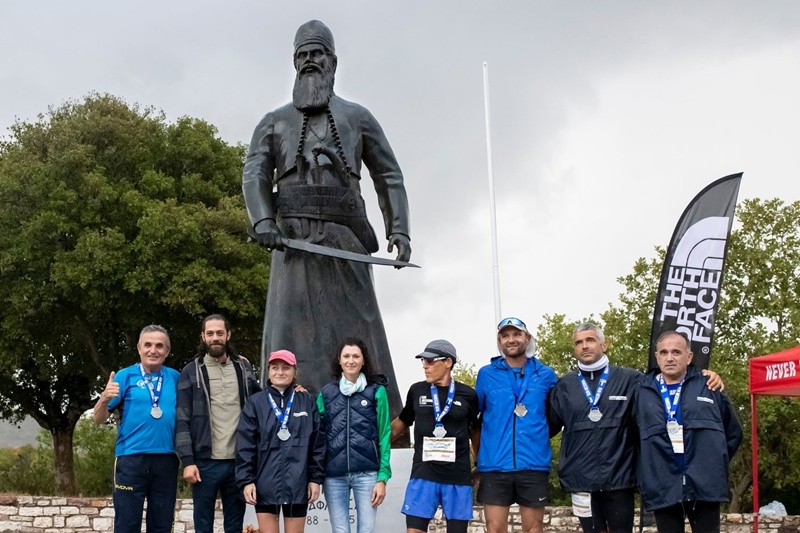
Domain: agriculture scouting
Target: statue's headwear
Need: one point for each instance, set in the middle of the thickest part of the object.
(314, 32)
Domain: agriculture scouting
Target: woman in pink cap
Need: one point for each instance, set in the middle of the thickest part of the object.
(280, 449)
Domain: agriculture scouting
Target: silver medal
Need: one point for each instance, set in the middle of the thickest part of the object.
(520, 410)
(595, 415)
(673, 427)
(156, 412)
(284, 434)
(439, 432)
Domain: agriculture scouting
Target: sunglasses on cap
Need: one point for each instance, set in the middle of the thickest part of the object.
(432, 360)
(511, 321)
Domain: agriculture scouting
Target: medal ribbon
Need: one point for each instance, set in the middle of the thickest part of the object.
(283, 418)
(155, 392)
(670, 408)
(438, 413)
(601, 385)
(520, 387)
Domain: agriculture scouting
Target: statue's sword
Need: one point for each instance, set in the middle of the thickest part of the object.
(318, 249)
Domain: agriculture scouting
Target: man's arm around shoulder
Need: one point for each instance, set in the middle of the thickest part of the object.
(183, 418)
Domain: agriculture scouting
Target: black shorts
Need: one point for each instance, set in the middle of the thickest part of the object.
(290, 510)
(529, 488)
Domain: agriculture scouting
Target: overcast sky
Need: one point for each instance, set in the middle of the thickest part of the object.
(607, 118)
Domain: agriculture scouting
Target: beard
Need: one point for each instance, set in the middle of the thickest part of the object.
(313, 90)
(216, 350)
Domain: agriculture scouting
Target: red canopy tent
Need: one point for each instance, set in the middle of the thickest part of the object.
(777, 374)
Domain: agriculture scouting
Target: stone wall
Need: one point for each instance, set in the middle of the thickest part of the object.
(38, 514)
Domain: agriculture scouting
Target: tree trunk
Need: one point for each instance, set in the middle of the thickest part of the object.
(738, 492)
(64, 461)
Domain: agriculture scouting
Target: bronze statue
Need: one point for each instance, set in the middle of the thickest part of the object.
(301, 182)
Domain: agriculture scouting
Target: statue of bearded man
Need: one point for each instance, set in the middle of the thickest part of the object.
(310, 153)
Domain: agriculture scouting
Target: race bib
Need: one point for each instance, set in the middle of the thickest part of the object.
(582, 504)
(443, 449)
(676, 438)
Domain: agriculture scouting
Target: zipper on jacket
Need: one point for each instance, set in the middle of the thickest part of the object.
(348, 435)
(514, 440)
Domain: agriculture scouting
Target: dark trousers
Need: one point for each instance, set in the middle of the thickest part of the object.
(612, 511)
(218, 477)
(151, 477)
(703, 517)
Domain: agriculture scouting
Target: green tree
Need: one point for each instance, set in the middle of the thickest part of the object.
(112, 219)
(761, 316)
(628, 324)
(465, 373)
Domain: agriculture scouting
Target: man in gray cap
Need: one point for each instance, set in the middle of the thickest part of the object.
(310, 152)
(444, 414)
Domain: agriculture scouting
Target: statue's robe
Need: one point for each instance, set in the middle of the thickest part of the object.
(313, 301)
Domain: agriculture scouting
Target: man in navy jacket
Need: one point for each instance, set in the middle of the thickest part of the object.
(212, 390)
(688, 435)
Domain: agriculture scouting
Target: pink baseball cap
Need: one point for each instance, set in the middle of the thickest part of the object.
(283, 355)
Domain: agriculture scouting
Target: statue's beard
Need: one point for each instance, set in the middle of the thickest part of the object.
(313, 90)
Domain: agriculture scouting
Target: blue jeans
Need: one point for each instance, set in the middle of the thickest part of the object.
(337, 494)
(218, 477)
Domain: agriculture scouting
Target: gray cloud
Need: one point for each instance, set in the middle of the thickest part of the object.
(607, 118)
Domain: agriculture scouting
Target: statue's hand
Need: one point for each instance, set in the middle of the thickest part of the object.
(403, 244)
(268, 234)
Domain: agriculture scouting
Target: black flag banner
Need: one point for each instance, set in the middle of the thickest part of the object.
(688, 293)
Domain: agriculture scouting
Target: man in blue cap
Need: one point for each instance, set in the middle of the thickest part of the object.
(514, 452)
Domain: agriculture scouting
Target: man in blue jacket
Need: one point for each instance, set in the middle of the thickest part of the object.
(514, 452)
(688, 435)
(212, 390)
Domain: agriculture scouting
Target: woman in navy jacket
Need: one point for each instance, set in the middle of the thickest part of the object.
(280, 449)
(355, 413)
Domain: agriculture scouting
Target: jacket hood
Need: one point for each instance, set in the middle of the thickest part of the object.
(499, 361)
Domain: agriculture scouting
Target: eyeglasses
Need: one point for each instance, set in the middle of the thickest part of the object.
(432, 360)
(511, 321)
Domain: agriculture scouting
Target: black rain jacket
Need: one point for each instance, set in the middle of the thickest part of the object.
(596, 456)
(280, 469)
(711, 436)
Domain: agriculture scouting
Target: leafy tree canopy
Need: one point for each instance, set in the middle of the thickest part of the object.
(111, 218)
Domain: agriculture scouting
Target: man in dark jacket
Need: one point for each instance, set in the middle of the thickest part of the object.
(594, 404)
(688, 435)
(211, 393)
(599, 445)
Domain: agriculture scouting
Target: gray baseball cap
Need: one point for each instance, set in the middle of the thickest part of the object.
(439, 348)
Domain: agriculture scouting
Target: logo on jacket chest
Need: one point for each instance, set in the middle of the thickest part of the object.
(425, 401)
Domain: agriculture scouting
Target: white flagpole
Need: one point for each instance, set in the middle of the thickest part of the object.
(493, 213)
